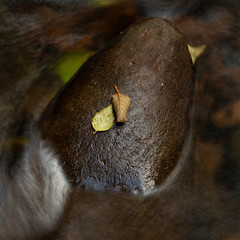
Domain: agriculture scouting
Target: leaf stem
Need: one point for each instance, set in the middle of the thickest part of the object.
(115, 86)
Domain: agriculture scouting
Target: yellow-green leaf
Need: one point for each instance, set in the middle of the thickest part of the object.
(103, 3)
(103, 120)
(195, 52)
(68, 64)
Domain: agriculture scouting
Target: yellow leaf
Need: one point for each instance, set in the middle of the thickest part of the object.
(195, 52)
(103, 120)
(121, 105)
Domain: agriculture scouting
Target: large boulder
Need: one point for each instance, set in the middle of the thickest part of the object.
(151, 64)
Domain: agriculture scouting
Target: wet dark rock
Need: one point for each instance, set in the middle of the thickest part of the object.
(150, 63)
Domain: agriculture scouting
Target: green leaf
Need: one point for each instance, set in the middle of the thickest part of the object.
(195, 52)
(68, 64)
(103, 120)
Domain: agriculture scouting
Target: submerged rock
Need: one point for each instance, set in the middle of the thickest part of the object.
(151, 64)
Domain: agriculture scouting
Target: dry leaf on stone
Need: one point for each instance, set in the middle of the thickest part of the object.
(121, 103)
(103, 120)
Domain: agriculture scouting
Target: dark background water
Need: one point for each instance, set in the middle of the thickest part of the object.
(33, 36)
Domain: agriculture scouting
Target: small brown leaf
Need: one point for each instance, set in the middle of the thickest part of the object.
(121, 103)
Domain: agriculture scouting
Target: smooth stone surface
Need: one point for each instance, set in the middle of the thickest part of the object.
(150, 63)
